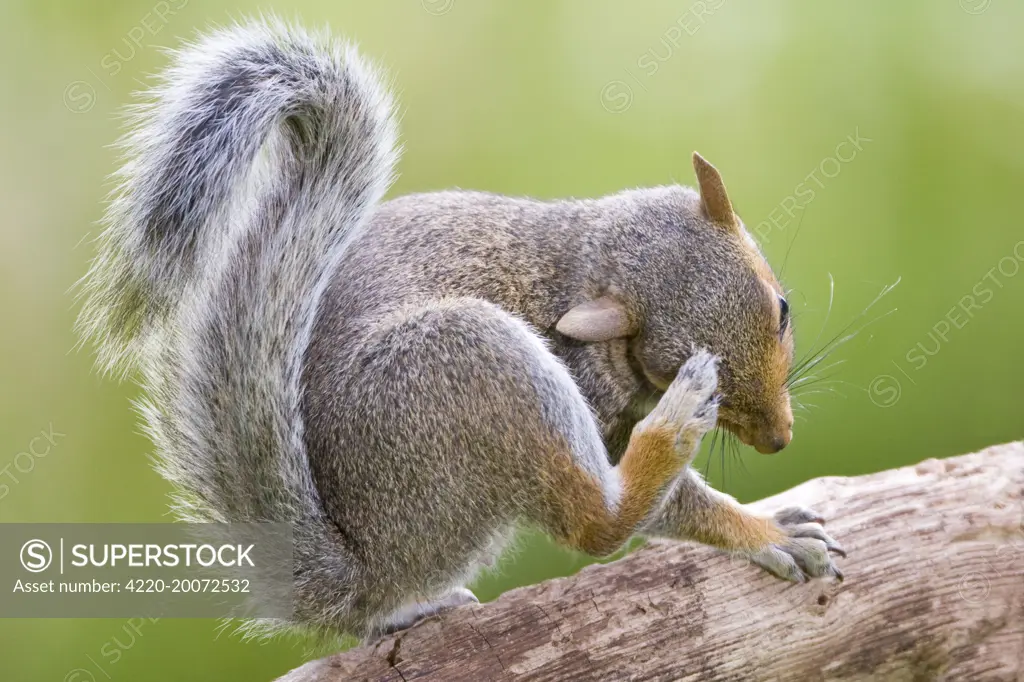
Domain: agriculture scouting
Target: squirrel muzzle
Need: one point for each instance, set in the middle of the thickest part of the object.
(772, 436)
(767, 432)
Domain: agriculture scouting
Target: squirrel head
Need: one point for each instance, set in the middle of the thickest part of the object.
(683, 273)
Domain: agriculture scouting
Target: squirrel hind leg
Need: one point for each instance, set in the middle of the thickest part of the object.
(425, 433)
(659, 449)
(452, 422)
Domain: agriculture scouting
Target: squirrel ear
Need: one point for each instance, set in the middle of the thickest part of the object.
(601, 320)
(713, 196)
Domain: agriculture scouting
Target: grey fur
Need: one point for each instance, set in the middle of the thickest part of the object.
(388, 377)
(208, 276)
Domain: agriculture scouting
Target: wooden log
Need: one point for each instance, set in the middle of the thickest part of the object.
(934, 590)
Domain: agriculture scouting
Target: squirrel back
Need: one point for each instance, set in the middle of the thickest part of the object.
(208, 278)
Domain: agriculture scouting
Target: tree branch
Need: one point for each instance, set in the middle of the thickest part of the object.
(934, 590)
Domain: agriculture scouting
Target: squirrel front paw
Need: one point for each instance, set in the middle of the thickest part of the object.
(690, 404)
(805, 550)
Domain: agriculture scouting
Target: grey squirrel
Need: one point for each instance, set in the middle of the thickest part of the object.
(407, 382)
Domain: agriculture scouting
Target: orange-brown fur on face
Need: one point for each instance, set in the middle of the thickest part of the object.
(758, 408)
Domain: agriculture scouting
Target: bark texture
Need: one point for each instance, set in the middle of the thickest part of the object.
(934, 590)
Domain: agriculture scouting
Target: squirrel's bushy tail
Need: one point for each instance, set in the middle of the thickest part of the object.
(263, 151)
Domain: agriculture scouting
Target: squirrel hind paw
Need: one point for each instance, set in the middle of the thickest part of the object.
(411, 614)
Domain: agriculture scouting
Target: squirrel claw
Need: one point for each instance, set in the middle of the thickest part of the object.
(836, 549)
(814, 530)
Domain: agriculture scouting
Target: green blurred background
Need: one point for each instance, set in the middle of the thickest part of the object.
(550, 99)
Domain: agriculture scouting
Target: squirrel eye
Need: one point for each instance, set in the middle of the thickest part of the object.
(783, 315)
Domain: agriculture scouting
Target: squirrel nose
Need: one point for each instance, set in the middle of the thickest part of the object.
(775, 443)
